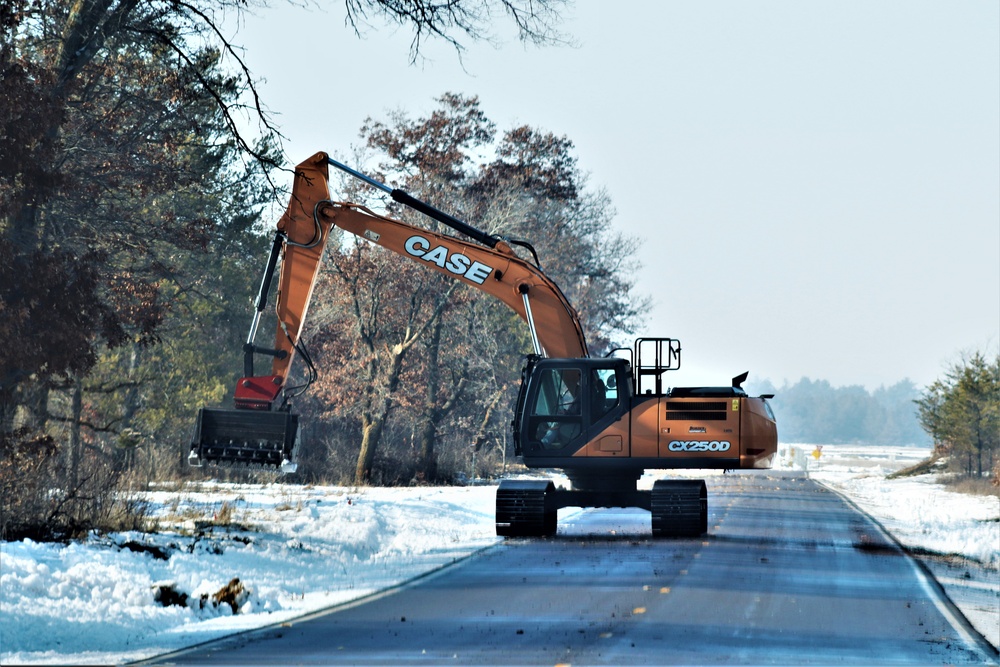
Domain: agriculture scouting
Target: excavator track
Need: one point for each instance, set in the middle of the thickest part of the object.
(521, 510)
(679, 508)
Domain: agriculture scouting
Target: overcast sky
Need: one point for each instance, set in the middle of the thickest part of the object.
(817, 184)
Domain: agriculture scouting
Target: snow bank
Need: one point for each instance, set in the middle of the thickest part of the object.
(921, 513)
(925, 517)
(294, 549)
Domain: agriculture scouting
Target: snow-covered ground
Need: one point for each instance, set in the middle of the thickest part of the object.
(956, 536)
(295, 550)
(300, 549)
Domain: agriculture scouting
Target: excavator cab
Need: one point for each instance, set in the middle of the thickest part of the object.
(563, 403)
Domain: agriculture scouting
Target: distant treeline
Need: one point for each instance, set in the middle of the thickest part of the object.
(814, 411)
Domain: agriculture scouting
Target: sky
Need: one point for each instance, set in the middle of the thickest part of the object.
(816, 184)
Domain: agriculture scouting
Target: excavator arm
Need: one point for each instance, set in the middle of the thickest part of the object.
(592, 418)
(261, 431)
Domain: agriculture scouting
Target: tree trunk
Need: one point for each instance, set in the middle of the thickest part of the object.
(73, 452)
(8, 410)
(483, 432)
(129, 439)
(371, 433)
(373, 421)
(34, 403)
(436, 409)
(427, 463)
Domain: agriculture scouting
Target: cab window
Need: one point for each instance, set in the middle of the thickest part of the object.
(556, 417)
(603, 393)
(559, 392)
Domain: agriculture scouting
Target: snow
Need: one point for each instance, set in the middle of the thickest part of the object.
(299, 549)
(925, 517)
(918, 511)
(296, 549)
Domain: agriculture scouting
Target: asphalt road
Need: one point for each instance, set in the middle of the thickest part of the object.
(788, 574)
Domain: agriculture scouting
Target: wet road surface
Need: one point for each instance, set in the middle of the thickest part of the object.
(788, 574)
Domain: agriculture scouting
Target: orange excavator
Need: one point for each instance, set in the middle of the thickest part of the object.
(603, 421)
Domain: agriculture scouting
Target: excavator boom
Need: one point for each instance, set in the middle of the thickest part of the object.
(259, 431)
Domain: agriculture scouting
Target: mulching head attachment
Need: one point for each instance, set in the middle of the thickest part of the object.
(245, 438)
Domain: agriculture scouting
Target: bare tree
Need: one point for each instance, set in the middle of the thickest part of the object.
(534, 20)
(446, 369)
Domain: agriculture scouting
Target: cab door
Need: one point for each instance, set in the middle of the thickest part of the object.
(572, 402)
(608, 427)
(555, 409)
